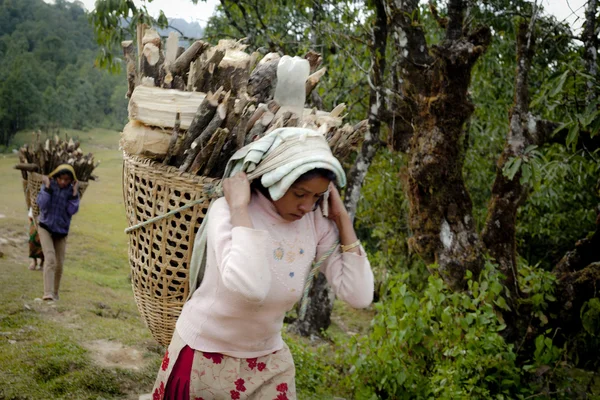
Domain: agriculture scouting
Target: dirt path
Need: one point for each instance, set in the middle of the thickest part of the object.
(104, 353)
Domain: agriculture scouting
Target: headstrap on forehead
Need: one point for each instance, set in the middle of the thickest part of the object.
(63, 168)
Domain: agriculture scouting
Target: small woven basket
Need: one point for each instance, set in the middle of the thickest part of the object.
(160, 252)
(34, 183)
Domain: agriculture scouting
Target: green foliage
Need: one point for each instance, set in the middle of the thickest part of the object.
(47, 75)
(538, 286)
(382, 223)
(590, 316)
(438, 344)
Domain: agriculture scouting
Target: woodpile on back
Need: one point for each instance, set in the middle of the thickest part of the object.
(44, 156)
(194, 108)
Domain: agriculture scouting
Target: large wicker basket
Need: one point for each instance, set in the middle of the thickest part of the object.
(34, 183)
(160, 252)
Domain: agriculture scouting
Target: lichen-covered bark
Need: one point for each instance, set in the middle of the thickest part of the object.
(435, 83)
(371, 142)
(508, 194)
(578, 280)
(590, 42)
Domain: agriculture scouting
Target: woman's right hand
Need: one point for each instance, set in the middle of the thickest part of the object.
(237, 190)
(46, 181)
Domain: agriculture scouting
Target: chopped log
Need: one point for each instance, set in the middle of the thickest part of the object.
(200, 142)
(338, 110)
(129, 54)
(205, 68)
(180, 51)
(139, 139)
(157, 107)
(273, 106)
(259, 128)
(313, 80)
(27, 167)
(172, 47)
(240, 129)
(263, 79)
(204, 114)
(204, 154)
(152, 61)
(151, 36)
(314, 60)
(260, 110)
(222, 134)
(140, 29)
(178, 83)
(234, 69)
(173, 142)
(182, 63)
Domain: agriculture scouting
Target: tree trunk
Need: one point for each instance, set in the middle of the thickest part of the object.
(318, 311)
(590, 42)
(436, 81)
(371, 144)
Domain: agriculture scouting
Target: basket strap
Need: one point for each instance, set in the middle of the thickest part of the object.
(213, 192)
(311, 276)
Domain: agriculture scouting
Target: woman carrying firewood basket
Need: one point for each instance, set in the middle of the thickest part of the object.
(281, 211)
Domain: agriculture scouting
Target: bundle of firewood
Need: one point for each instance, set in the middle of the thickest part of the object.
(44, 156)
(193, 109)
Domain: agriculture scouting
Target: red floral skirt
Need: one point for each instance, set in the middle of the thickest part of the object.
(196, 375)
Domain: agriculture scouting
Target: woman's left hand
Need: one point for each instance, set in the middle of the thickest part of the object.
(337, 211)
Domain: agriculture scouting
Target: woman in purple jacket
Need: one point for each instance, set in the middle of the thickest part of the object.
(58, 200)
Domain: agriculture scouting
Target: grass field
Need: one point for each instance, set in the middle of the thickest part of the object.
(92, 344)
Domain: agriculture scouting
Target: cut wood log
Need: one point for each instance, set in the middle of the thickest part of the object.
(152, 62)
(140, 139)
(172, 47)
(313, 80)
(204, 154)
(200, 142)
(205, 68)
(258, 113)
(182, 63)
(240, 129)
(140, 30)
(233, 71)
(273, 106)
(222, 134)
(27, 167)
(157, 107)
(263, 79)
(314, 60)
(204, 114)
(259, 128)
(174, 138)
(129, 54)
(151, 36)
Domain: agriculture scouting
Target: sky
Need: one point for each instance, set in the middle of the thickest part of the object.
(571, 11)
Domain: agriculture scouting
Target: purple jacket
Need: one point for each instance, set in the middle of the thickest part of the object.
(57, 206)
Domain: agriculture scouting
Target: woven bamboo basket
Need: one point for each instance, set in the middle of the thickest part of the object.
(160, 252)
(34, 183)
(26, 193)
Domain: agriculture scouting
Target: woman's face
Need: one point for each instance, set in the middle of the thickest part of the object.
(301, 198)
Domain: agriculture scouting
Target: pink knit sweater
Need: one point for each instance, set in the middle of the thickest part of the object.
(253, 276)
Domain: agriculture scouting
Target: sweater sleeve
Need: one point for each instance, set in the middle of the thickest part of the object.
(241, 254)
(43, 198)
(73, 205)
(349, 274)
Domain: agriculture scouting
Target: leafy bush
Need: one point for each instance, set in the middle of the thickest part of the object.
(440, 344)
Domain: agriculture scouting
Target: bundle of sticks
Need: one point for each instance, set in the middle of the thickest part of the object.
(193, 109)
(43, 156)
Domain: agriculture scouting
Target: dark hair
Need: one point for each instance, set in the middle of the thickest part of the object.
(64, 172)
(313, 173)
